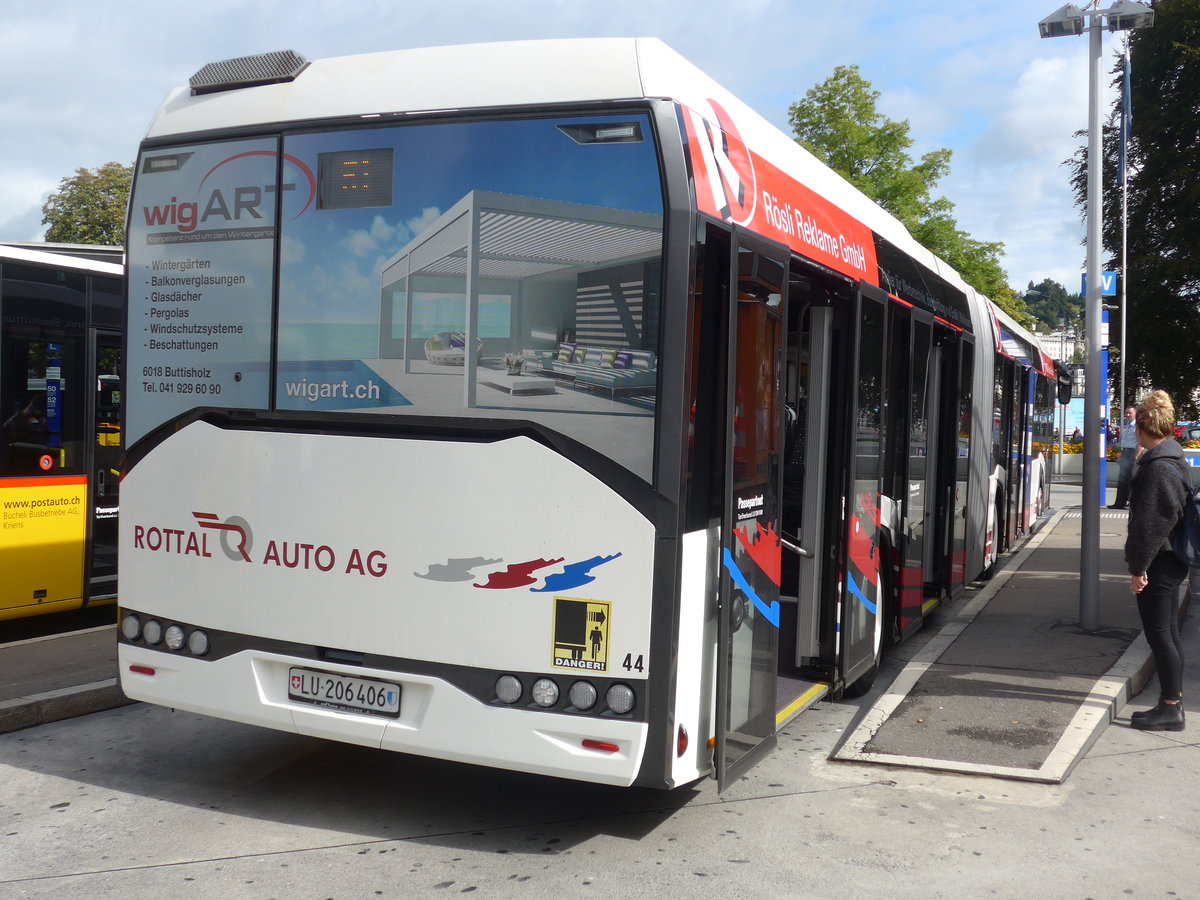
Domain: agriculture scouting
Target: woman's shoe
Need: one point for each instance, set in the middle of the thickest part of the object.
(1164, 717)
(1141, 714)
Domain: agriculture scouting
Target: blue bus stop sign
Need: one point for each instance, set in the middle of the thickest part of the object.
(1108, 284)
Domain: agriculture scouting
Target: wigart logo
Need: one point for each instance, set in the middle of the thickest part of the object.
(236, 539)
(223, 206)
(728, 168)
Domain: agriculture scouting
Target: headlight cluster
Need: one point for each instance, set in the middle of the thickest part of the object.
(582, 696)
(173, 636)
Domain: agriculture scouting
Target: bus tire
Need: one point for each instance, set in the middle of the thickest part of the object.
(865, 681)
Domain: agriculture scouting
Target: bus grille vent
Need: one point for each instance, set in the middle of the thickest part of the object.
(248, 71)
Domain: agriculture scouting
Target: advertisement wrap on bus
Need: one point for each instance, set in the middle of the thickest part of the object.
(735, 184)
(204, 228)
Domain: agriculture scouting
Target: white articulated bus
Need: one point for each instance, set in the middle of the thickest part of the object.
(540, 406)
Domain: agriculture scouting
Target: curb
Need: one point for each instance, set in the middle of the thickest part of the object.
(64, 703)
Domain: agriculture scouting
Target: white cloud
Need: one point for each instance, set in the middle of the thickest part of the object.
(1040, 114)
(22, 193)
(291, 250)
(363, 242)
(415, 226)
(1009, 182)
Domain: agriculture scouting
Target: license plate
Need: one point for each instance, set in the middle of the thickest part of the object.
(363, 695)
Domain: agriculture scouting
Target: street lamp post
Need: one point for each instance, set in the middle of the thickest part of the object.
(1069, 20)
(1062, 356)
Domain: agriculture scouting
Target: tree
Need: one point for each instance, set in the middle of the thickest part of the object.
(837, 121)
(1162, 283)
(89, 206)
(1049, 303)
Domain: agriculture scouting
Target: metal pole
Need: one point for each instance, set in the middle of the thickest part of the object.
(1124, 246)
(1089, 582)
(1061, 434)
(1062, 418)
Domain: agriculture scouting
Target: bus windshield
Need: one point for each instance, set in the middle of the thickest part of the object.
(501, 268)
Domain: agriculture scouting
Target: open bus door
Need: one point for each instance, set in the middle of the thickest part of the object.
(105, 463)
(917, 495)
(948, 468)
(748, 624)
(860, 622)
(962, 464)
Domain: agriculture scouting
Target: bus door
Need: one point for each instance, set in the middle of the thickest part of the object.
(1016, 412)
(748, 629)
(962, 463)
(1014, 423)
(1021, 451)
(903, 580)
(1002, 443)
(859, 616)
(816, 472)
(105, 463)
(914, 572)
(945, 495)
(1032, 443)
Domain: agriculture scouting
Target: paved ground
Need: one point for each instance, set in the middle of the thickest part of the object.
(1011, 685)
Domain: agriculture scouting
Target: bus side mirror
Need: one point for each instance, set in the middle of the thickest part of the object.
(1064, 392)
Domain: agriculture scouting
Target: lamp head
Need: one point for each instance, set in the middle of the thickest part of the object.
(1125, 15)
(1062, 22)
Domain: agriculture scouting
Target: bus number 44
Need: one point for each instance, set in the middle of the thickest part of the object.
(630, 664)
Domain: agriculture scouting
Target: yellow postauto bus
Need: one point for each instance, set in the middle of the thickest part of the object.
(60, 438)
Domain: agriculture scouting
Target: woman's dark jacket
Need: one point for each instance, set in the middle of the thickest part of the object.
(1156, 499)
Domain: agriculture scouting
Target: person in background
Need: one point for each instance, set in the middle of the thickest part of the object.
(1129, 455)
(1156, 500)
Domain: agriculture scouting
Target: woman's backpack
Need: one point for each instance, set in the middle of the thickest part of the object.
(1185, 539)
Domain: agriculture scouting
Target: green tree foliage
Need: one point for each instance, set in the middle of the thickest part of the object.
(89, 206)
(837, 121)
(1050, 304)
(1163, 279)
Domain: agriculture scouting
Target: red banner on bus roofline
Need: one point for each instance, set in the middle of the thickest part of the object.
(736, 185)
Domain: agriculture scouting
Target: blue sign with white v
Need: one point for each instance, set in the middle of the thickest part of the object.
(1108, 284)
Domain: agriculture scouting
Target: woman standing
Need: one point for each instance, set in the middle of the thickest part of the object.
(1157, 496)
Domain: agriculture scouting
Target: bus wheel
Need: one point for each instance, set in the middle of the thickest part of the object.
(865, 681)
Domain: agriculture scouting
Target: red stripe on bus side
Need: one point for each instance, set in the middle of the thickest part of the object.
(48, 481)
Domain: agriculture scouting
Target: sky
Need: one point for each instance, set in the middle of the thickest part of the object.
(81, 80)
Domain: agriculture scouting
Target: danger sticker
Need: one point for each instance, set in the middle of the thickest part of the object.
(581, 634)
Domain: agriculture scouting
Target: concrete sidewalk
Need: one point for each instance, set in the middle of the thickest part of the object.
(1011, 686)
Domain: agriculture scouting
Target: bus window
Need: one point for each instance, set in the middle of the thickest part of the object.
(501, 270)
